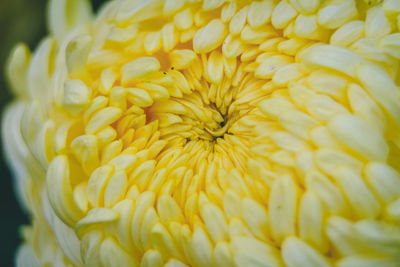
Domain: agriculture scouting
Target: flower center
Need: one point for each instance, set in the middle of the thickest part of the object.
(210, 119)
(223, 125)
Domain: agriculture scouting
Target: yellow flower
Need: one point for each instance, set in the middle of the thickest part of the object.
(210, 133)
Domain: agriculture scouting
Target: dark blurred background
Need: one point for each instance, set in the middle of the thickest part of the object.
(20, 21)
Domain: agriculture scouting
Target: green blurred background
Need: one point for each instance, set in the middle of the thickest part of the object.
(20, 21)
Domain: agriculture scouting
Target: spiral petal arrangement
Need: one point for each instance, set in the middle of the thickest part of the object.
(209, 133)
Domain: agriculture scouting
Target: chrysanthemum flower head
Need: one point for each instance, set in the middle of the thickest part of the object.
(210, 133)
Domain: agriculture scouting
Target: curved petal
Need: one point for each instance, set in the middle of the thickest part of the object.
(64, 15)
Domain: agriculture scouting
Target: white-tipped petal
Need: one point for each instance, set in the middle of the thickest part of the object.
(359, 136)
(64, 15)
(381, 87)
(60, 192)
(76, 96)
(332, 57)
(95, 216)
(296, 253)
(17, 68)
(111, 254)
